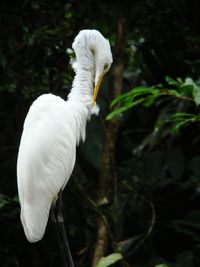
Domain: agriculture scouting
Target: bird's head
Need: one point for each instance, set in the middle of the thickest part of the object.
(91, 44)
(103, 61)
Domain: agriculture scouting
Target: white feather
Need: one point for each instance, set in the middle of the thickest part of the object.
(52, 129)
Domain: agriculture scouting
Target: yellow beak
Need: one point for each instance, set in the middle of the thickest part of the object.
(96, 88)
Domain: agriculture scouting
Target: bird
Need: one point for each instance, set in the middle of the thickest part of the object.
(53, 129)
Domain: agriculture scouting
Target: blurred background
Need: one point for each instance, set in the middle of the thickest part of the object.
(135, 188)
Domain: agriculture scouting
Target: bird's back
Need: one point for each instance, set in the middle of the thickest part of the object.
(46, 159)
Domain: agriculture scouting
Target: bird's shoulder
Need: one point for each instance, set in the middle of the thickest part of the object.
(46, 101)
(50, 115)
(44, 110)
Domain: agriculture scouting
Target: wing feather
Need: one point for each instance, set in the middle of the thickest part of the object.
(46, 158)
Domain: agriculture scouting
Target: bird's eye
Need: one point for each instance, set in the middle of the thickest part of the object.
(106, 66)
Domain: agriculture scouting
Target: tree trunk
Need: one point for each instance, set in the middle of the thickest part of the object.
(108, 174)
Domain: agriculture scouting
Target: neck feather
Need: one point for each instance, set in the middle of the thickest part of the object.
(82, 87)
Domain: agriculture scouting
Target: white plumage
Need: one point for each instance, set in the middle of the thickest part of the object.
(52, 129)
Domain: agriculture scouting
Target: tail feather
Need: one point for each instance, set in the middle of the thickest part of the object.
(34, 220)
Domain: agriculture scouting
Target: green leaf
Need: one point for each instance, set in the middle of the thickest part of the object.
(150, 100)
(171, 81)
(173, 92)
(189, 81)
(182, 115)
(137, 91)
(162, 265)
(109, 260)
(120, 98)
(196, 94)
(182, 119)
(127, 105)
(190, 88)
(187, 89)
(114, 113)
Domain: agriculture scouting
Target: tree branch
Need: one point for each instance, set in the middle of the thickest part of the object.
(108, 174)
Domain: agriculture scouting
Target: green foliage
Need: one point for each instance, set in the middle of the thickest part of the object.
(186, 90)
(139, 95)
(109, 260)
(156, 165)
(180, 119)
(5, 200)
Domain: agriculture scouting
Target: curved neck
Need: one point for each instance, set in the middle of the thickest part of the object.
(82, 87)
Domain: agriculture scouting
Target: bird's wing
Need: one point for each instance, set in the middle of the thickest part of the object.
(45, 161)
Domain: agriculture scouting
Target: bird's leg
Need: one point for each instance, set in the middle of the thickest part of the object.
(54, 220)
(63, 235)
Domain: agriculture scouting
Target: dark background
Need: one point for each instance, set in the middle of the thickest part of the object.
(158, 173)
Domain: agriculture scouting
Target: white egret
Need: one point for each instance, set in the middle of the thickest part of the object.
(52, 129)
